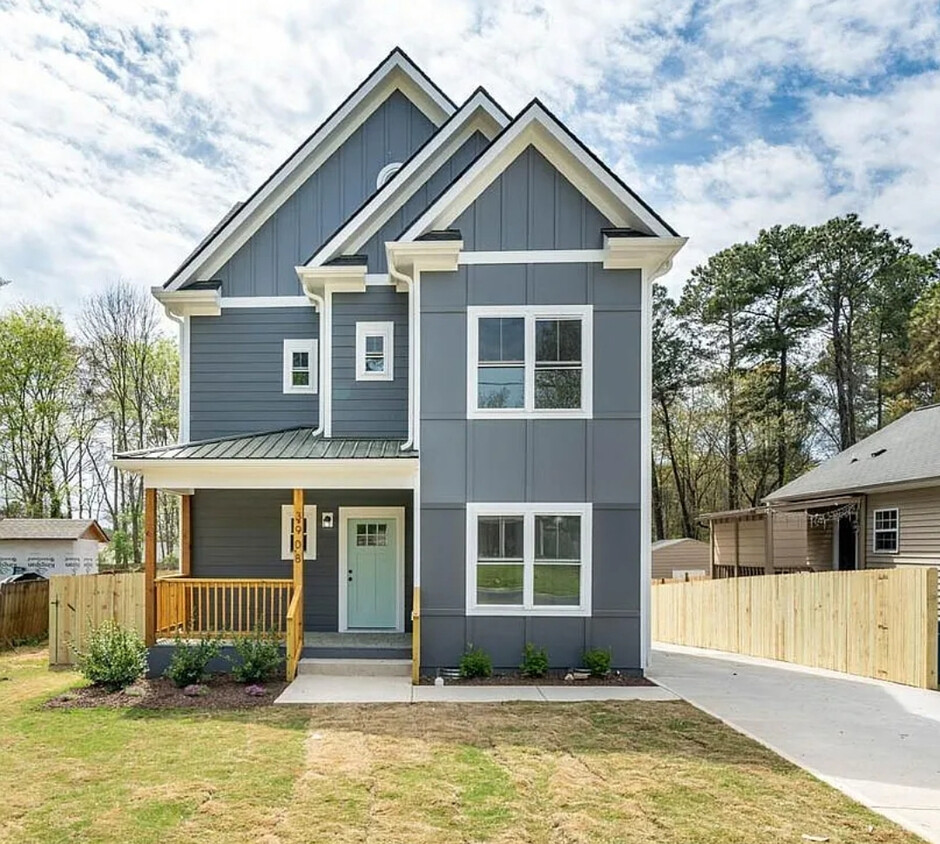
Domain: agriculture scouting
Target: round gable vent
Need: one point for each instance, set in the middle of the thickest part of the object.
(386, 173)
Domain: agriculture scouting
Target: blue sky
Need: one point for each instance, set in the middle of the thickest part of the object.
(127, 129)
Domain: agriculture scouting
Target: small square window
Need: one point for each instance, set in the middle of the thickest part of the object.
(375, 351)
(300, 366)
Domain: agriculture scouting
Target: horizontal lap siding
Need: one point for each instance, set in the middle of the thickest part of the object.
(369, 408)
(790, 545)
(919, 525)
(684, 556)
(237, 371)
(264, 266)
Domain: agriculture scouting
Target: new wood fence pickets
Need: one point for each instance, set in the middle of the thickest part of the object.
(79, 602)
(24, 611)
(878, 623)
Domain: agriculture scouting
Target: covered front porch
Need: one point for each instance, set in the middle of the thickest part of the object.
(315, 546)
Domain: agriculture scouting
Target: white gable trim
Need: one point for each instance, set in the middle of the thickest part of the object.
(397, 72)
(479, 113)
(538, 128)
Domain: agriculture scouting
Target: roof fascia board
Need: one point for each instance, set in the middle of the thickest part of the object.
(332, 278)
(424, 255)
(537, 127)
(862, 489)
(653, 255)
(397, 72)
(479, 113)
(189, 302)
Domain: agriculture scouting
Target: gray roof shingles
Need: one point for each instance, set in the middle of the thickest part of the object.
(45, 528)
(906, 451)
(289, 444)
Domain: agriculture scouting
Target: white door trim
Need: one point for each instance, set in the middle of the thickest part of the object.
(347, 513)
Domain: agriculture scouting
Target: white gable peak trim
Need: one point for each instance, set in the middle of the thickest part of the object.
(479, 113)
(537, 127)
(397, 72)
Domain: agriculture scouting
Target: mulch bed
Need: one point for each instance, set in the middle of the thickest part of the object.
(553, 678)
(221, 693)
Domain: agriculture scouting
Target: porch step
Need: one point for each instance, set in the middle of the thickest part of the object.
(355, 667)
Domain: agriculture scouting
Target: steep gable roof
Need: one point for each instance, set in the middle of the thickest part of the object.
(536, 126)
(480, 110)
(905, 452)
(396, 72)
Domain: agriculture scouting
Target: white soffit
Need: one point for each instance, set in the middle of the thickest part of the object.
(397, 72)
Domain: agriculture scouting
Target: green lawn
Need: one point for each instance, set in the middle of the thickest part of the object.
(630, 772)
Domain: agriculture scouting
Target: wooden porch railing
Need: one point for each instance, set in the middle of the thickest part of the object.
(295, 634)
(199, 606)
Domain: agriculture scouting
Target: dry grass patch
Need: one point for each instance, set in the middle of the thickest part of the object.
(547, 773)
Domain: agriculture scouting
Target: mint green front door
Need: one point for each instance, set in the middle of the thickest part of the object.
(372, 574)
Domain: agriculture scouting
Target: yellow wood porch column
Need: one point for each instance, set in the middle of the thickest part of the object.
(186, 535)
(150, 566)
(299, 547)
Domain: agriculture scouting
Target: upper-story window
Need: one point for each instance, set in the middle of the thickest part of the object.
(529, 361)
(375, 347)
(300, 366)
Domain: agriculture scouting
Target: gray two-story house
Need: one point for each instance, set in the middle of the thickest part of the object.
(415, 392)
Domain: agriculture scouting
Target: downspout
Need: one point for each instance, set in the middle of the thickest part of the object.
(184, 354)
(399, 276)
(318, 304)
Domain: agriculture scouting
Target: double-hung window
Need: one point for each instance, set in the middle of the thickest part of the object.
(885, 536)
(300, 366)
(375, 346)
(529, 361)
(528, 559)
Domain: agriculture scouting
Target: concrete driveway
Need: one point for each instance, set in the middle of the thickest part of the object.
(877, 742)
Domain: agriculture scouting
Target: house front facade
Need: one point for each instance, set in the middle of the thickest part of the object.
(415, 388)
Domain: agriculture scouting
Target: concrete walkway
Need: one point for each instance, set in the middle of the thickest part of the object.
(877, 742)
(310, 688)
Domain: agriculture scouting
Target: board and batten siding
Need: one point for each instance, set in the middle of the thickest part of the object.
(374, 249)
(237, 533)
(236, 371)
(369, 408)
(684, 555)
(531, 460)
(918, 526)
(531, 205)
(264, 266)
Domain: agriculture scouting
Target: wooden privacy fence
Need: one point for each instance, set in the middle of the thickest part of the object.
(878, 623)
(79, 602)
(24, 611)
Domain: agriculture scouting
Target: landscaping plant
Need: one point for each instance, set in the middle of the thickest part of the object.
(116, 656)
(190, 660)
(534, 661)
(258, 657)
(475, 662)
(597, 661)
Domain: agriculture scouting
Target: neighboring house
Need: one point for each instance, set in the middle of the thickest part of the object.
(428, 333)
(874, 505)
(680, 558)
(50, 546)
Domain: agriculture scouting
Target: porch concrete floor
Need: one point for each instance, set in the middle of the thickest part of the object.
(357, 640)
(308, 689)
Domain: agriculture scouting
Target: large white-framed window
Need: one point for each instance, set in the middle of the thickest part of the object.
(375, 351)
(529, 361)
(310, 531)
(529, 559)
(886, 531)
(300, 366)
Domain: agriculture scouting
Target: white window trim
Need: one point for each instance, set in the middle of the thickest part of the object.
(287, 539)
(875, 531)
(385, 330)
(310, 347)
(529, 512)
(531, 313)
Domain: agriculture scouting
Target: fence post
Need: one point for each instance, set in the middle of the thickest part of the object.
(931, 631)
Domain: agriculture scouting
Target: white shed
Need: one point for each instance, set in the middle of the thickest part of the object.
(50, 546)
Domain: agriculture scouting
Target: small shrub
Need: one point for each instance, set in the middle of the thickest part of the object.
(116, 657)
(259, 656)
(189, 661)
(534, 661)
(597, 661)
(475, 662)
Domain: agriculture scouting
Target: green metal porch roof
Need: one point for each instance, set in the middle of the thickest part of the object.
(288, 444)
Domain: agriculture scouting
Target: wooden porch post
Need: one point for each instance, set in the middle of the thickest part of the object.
(737, 547)
(299, 546)
(186, 536)
(711, 548)
(150, 566)
(769, 542)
